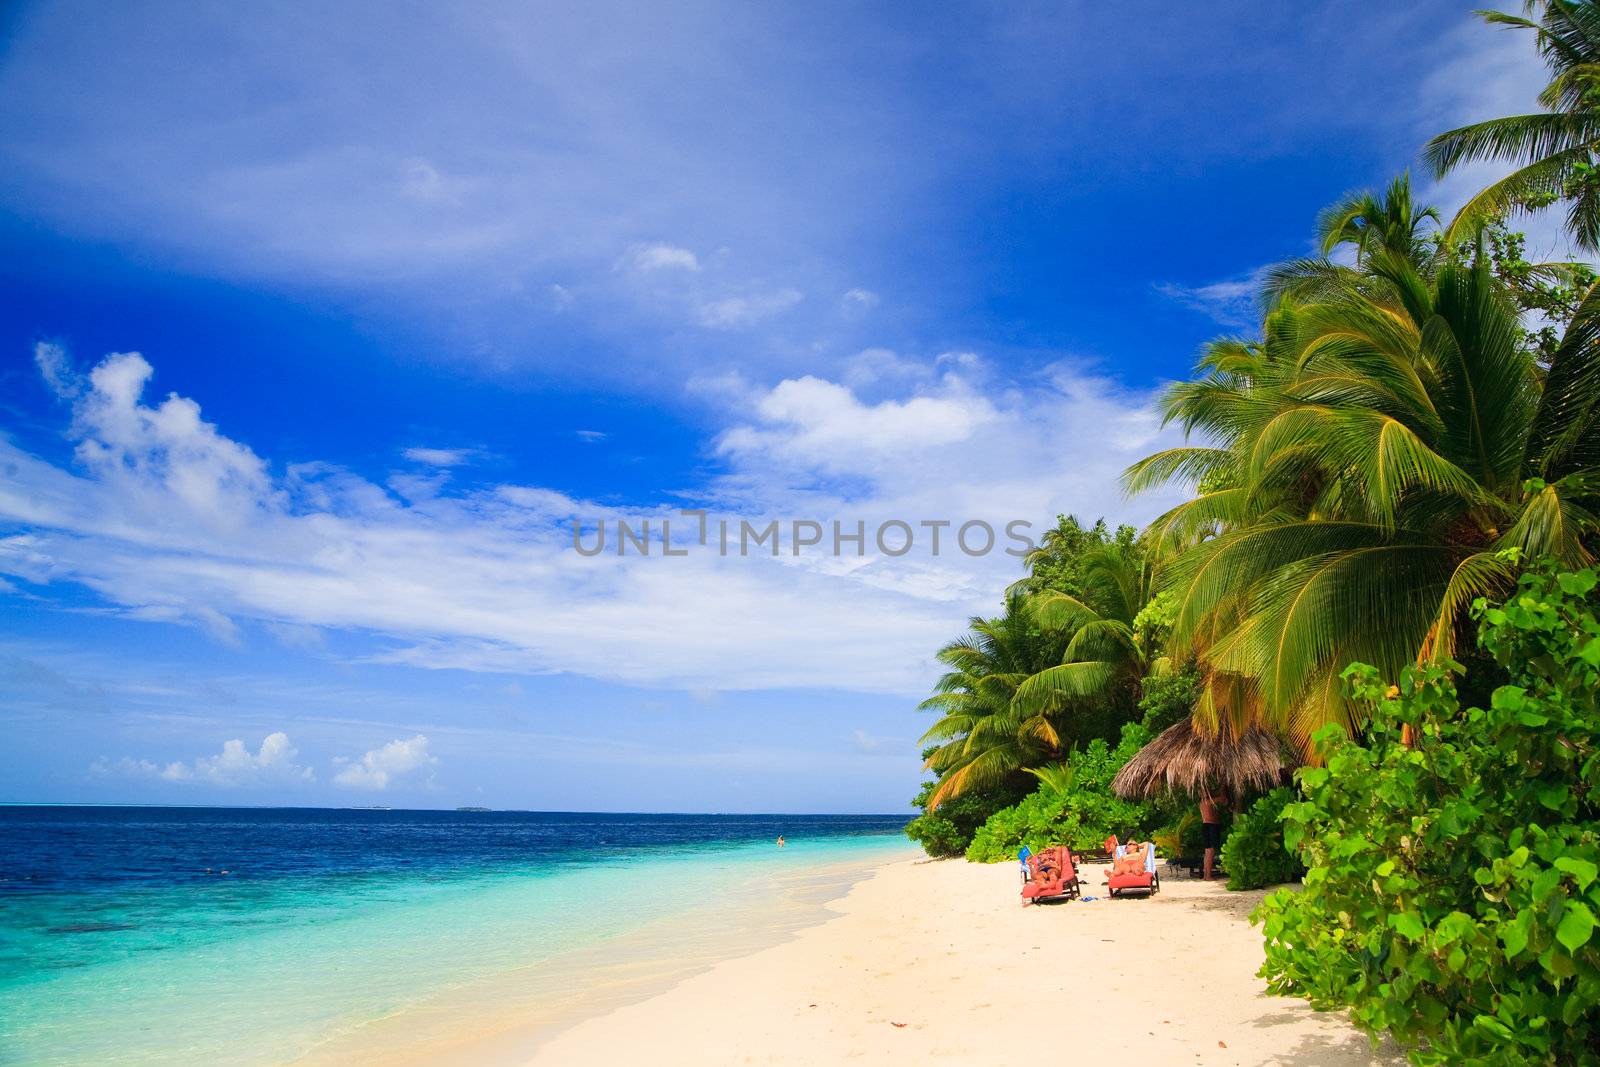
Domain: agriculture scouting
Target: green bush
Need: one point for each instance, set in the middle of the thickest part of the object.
(1082, 815)
(1180, 835)
(1169, 698)
(1254, 853)
(947, 830)
(1454, 863)
(938, 834)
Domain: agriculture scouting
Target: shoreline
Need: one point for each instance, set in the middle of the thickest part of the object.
(504, 1018)
(937, 960)
(334, 942)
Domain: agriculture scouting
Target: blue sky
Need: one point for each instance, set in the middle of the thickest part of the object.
(411, 287)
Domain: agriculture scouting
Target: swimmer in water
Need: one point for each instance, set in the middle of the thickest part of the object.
(780, 840)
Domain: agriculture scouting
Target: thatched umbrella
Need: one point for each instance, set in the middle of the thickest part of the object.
(1187, 760)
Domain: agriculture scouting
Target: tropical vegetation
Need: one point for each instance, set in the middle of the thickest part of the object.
(1074, 806)
(1371, 456)
(1255, 853)
(987, 746)
(1400, 468)
(1555, 148)
(1453, 887)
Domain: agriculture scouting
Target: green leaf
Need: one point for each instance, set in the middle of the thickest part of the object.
(1577, 583)
(1591, 652)
(1553, 796)
(1514, 934)
(1581, 870)
(1576, 926)
(1408, 924)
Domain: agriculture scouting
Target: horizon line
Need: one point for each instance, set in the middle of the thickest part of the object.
(464, 808)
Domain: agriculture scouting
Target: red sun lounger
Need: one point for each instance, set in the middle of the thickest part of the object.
(1146, 881)
(1051, 876)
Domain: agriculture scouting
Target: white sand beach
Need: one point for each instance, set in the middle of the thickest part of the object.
(938, 961)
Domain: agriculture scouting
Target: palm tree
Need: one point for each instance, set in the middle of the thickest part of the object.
(1057, 562)
(1108, 652)
(1369, 461)
(1378, 229)
(1556, 148)
(1391, 224)
(983, 739)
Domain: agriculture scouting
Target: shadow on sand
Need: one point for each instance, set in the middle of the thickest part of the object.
(1324, 1049)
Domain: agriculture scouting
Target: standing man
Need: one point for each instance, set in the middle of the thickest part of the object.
(1211, 808)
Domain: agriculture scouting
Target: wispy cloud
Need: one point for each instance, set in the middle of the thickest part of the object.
(550, 150)
(1230, 302)
(870, 743)
(168, 519)
(662, 257)
(496, 197)
(1488, 72)
(55, 367)
(856, 301)
(734, 311)
(440, 457)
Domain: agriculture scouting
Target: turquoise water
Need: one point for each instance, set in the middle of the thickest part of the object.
(335, 928)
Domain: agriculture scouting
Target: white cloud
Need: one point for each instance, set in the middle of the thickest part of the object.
(734, 311)
(273, 763)
(293, 635)
(662, 257)
(439, 457)
(464, 211)
(825, 423)
(875, 366)
(55, 366)
(560, 297)
(870, 743)
(858, 300)
(420, 179)
(1230, 302)
(382, 767)
(127, 444)
(168, 520)
(592, 436)
(1490, 72)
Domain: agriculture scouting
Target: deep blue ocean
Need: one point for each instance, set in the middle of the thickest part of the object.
(122, 940)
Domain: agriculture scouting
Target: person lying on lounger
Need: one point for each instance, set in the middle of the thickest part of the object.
(1131, 861)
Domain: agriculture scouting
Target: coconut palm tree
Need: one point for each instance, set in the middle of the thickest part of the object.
(983, 739)
(1108, 652)
(1057, 562)
(1371, 459)
(1555, 149)
(1377, 229)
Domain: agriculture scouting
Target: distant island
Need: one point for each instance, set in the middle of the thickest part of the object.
(474, 809)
